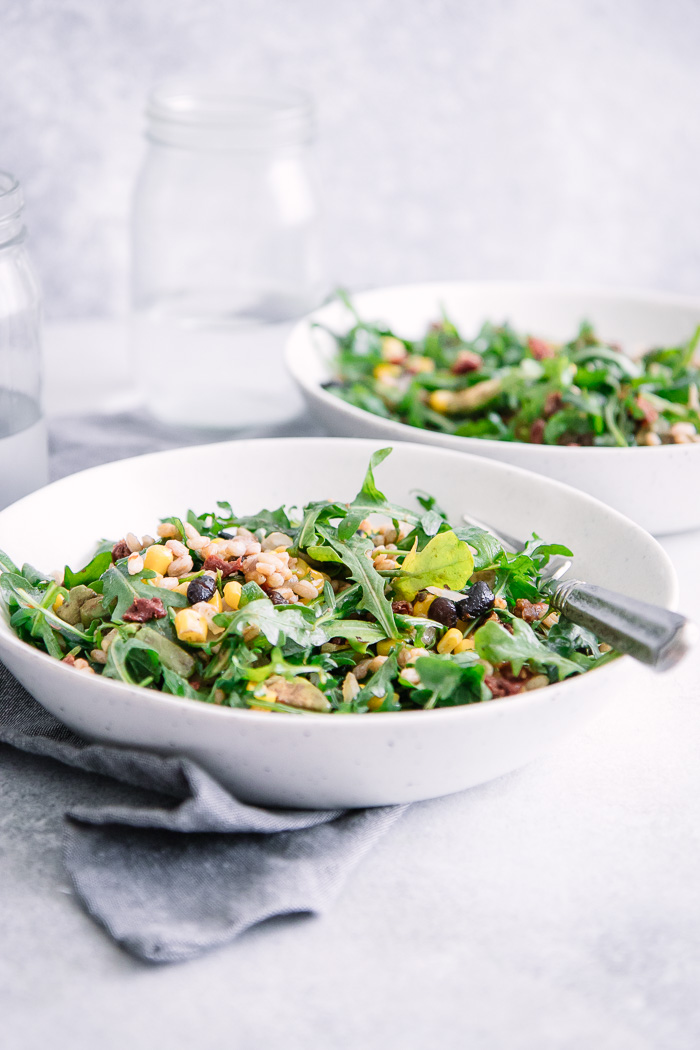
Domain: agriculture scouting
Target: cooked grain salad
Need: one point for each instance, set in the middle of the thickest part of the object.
(508, 386)
(332, 609)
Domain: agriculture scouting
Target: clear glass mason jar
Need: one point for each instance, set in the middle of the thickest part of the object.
(225, 253)
(23, 448)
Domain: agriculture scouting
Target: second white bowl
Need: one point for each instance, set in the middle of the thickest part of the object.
(656, 487)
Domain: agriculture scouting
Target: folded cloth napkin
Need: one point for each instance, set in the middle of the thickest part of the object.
(171, 880)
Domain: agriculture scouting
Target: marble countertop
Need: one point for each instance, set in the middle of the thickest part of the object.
(553, 909)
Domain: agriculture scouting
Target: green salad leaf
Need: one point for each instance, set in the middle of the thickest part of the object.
(92, 571)
(123, 589)
(445, 561)
(493, 642)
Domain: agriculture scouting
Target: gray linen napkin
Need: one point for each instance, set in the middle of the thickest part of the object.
(170, 880)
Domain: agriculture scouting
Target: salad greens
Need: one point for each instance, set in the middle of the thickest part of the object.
(324, 610)
(512, 387)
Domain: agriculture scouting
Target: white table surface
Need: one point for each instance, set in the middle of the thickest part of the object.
(557, 908)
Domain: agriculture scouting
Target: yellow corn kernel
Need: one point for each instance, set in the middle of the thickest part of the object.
(315, 575)
(58, 603)
(440, 400)
(385, 647)
(182, 588)
(464, 646)
(386, 372)
(375, 702)
(216, 602)
(449, 641)
(301, 568)
(266, 695)
(232, 594)
(416, 363)
(190, 626)
(158, 558)
(154, 580)
(421, 608)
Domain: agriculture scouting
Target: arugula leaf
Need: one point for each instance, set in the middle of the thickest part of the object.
(7, 564)
(446, 561)
(172, 655)
(493, 642)
(517, 577)
(370, 500)
(278, 665)
(270, 520)
(350, 524)
(354, 555)
(124, 589)
(34, 621)
(379, 685)
(431, 522)
(14, 587)
(250, 592)
(325, 554)
(177, 685)
(92, 571)
(568, 638)
(451, 682)
(275, 622)
(33, 575)
(353, 630)
(121, 649)
(369, 493)
(486, 545)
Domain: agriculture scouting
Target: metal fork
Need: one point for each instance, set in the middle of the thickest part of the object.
(651, 634)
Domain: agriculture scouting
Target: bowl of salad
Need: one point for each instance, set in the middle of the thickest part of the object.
(312, 620)
(596, 389)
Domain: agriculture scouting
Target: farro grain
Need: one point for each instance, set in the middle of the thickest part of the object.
(180, 566)
(179, 549)
(133, 542)
(134, 563)
(168, 531)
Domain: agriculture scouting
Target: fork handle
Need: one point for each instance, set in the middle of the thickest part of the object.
(649, 633)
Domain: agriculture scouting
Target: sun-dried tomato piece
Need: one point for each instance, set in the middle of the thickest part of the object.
(502, 686)
(539, 348)
(552, 404)
(144, 609)
(226, 568)
(649, 413)
(467, 361)
(537, 432)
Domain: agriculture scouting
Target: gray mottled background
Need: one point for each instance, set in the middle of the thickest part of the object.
(507, 138)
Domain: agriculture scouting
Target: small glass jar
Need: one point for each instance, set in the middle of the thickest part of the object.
(23, 447)
(225, 253)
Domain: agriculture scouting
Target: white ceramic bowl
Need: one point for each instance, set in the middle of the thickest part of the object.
(321, 760)
(657, 487)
